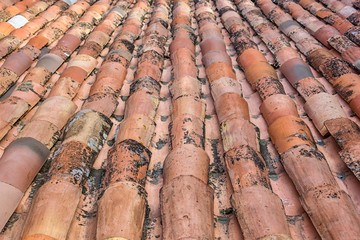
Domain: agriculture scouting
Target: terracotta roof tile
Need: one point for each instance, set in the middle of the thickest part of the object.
(18, 7)
(179, 119)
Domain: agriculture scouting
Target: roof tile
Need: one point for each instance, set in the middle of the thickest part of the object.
(184, 105)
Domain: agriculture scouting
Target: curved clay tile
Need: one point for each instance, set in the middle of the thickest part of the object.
(346, 133)
(83, 225)
(129, 157)
(342, 25)
(321, 107)
(17, 8)
(106, 94)
(79, 141)
(186, 199)
(13, 133)
(70, 166)
(297, 72)
(31, 90)
(11, 42)
(295, 142)
(16, 64)
(225, 223)
(246, 168)
(19, 20)
(74, 158)
(349, 3)
(19, 164)
(112, 73)
(160, 144)
(7, 3)
(326, 34)
(343, 10)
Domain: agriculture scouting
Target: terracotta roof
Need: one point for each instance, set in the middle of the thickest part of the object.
(179, 119)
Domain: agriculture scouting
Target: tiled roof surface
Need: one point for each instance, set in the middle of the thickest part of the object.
(224, 119)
